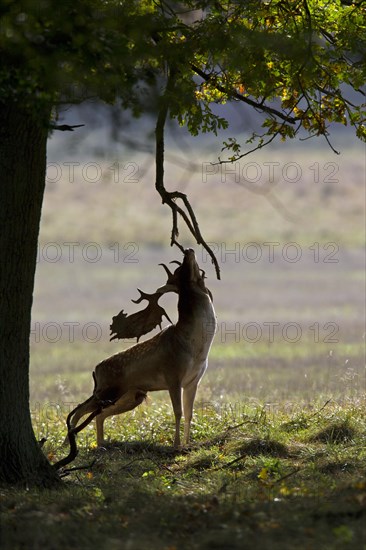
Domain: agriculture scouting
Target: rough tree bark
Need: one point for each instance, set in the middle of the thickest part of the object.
(23, 138)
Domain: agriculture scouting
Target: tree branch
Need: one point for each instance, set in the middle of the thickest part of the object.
(171, 197)
(65, 127)
(240, 97)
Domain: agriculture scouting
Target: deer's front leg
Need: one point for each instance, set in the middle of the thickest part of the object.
(175, 393)
(189, 395)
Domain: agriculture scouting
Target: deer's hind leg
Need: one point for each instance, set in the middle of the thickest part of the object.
(128, 401)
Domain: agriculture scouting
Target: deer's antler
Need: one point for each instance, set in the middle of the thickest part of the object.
(139, 323)
(167, 271)
(144, 321)
(172, 277)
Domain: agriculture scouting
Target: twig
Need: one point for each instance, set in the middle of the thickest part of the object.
(138, 459)
(141, 458)
(320, 410)
(242, 424)
(68, 471)
(237, 459)
(287, 475)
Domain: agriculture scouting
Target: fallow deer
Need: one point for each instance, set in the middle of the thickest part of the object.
(174, 360)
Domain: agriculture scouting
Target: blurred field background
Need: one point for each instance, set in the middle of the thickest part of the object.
(291, 314)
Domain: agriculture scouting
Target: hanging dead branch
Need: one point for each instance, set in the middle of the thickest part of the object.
(171, 198)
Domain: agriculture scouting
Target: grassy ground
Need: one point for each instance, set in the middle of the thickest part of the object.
(278, 455)
(255, 477)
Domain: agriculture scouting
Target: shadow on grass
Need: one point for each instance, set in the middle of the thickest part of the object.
(337, 432)
(133, 448)
(267, 447)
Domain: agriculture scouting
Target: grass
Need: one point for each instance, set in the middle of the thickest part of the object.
(278, 453)
(258, 479)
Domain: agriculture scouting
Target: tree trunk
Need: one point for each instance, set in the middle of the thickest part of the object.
(23, 138)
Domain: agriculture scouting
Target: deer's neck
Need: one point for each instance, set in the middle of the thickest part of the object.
(196, 324)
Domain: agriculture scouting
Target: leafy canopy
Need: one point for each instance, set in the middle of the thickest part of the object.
(294, 60)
